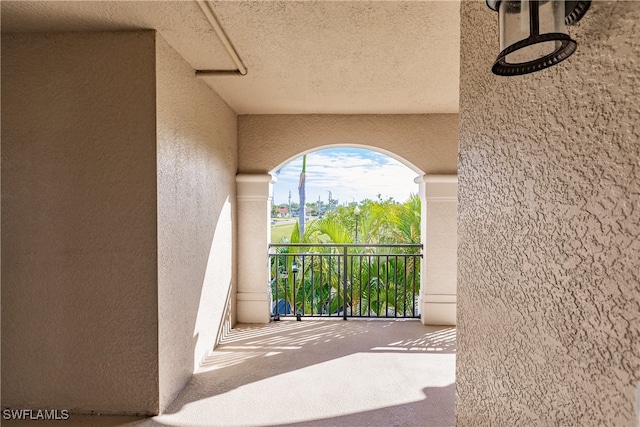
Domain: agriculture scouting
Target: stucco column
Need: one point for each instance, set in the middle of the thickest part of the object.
(438, 281)
(254, 193)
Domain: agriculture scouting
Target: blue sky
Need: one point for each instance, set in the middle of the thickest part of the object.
(351, 174)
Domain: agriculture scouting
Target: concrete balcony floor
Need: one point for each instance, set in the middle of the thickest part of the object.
(317, 372)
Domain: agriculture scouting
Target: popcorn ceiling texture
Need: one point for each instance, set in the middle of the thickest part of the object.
(342, 57)
(549, 226)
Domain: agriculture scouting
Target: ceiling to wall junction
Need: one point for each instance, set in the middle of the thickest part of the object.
(327, 57)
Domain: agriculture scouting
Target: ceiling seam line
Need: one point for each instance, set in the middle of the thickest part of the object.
(207, 9)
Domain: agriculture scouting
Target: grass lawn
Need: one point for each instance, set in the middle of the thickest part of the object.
(279, 231)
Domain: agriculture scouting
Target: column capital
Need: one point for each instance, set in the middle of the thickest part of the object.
(436, 178)
(441, 187)
(254, 187)
(255, 177)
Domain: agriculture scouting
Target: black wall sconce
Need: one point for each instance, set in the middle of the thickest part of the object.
(532, 33)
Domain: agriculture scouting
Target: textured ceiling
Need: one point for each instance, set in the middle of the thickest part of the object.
(381, 57)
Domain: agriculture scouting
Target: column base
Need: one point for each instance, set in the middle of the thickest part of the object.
(253, 308)
(438, 310)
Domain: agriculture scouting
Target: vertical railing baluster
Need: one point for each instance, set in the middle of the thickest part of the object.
(360, 282)
(344, 290)
(294, 285)
(386, 293)
(321, 283)
(330, 273)
(313, 269)
(286, 285)
(277, 281)
(351, 278)
(303, 287)
(378, 309)
(395, 280)
(369, 284)
(404, 287)
(416, 264)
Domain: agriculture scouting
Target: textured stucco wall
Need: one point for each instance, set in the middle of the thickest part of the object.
(549, 229)
(79, 269)
(197, 162)
(428, 142)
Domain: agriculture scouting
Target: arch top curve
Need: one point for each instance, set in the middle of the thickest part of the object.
(426, 144)
(393, 155)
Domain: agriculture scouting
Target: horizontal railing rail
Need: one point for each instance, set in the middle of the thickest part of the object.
(345, 280)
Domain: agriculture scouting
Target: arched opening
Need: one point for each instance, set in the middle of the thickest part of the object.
(435, 295)
(354, 147)
(346, 236)
(337, 177)
(425, 144)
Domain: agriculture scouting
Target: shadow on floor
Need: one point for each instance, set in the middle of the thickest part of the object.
(360, 372)
(286, 346)
(436, 403)
(361, 368)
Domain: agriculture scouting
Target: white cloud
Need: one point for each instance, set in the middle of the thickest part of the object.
(350, 174)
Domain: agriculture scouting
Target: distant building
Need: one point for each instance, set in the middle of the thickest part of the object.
(282, 212)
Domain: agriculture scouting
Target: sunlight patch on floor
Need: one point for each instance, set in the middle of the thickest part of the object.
(356, 383)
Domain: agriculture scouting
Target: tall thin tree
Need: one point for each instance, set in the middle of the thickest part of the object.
(301, 191)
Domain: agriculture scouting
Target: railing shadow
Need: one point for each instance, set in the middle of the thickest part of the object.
(247, 342)
(250, 353)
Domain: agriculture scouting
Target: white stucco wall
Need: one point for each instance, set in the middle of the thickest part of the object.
(549, 229)
(439, 274)
(429, 143)
(79, 265)
(254, 235)
(197, 161)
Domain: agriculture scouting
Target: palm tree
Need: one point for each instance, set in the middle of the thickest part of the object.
(301, 191)
(406, 221)
(377, 284)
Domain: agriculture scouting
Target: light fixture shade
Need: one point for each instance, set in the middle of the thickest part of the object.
(574, 10)
(533, 35)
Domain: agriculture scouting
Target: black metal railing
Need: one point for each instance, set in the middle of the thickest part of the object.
(345, 280)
